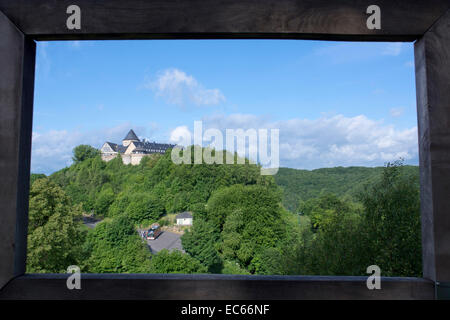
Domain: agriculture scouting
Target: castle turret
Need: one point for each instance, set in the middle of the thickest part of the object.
(130, 137)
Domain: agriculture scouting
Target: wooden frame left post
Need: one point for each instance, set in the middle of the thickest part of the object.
(17, 63)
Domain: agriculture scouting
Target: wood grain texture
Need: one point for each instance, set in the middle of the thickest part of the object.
(432, 55)
(402, 20)
(213, 287)
(17, 56)
(296, 19)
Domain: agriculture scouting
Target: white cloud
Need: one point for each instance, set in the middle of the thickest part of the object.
(181, 135)
(393, 49)
(352, 52)
(52, 150)
(397, 112)
(74, 44)
(176, 87)
(409, 64)
(330, 140)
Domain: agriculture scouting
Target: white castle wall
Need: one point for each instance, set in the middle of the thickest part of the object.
(133, 159)
(136, 158)
(108, 157)
(126, 158)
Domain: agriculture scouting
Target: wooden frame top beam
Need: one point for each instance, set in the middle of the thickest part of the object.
(401, 20)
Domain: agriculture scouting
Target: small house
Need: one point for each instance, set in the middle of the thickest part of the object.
(184, 219)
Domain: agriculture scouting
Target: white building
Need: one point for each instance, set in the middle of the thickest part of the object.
(184, 219)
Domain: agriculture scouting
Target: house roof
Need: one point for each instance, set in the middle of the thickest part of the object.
(149, 146)
(116, 147)
(131, 136)
(121, 148)
(184, 215)
(112, 145)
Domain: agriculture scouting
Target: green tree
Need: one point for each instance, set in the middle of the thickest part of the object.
(46, 198)
(338, 248)
(249, 219)
(103, 201)
(114, 246)
(119, 205)
(145, 207)
(324, 208)
(392, 222)
(232, 267)
(55, 234)
(35, 176)
(83, 152)
(386, 232)
(200, 242)
(175, 262)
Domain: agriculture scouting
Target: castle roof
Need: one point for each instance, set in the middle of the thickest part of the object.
(131, 136)
(117, 147)
(149, 147)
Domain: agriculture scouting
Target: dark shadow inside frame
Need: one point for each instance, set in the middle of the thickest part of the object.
(22, 22)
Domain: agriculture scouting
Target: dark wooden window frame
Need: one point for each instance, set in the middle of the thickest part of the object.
(22, 22)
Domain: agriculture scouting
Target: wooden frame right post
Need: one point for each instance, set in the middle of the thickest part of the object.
(432, 59)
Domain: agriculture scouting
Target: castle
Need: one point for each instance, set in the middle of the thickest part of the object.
(132, 149)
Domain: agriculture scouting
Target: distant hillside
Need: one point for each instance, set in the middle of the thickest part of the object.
(305, 184)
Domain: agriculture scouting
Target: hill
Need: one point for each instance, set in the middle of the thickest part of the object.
(108, 188)
(342, 181)
(240, 225)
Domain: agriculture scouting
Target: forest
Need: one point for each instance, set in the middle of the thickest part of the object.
(334, 221)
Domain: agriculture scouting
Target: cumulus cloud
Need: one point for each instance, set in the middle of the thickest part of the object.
(409, 64)
(179, 88)
(352, 52)
(330, 140)
(397, 112)
(52, 150)
(74, 44)
(181, 136)
(393, 49)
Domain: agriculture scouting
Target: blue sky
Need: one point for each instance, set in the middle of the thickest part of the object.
(335, 103)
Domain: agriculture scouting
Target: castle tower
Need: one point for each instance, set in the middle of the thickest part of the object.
(130, 137)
